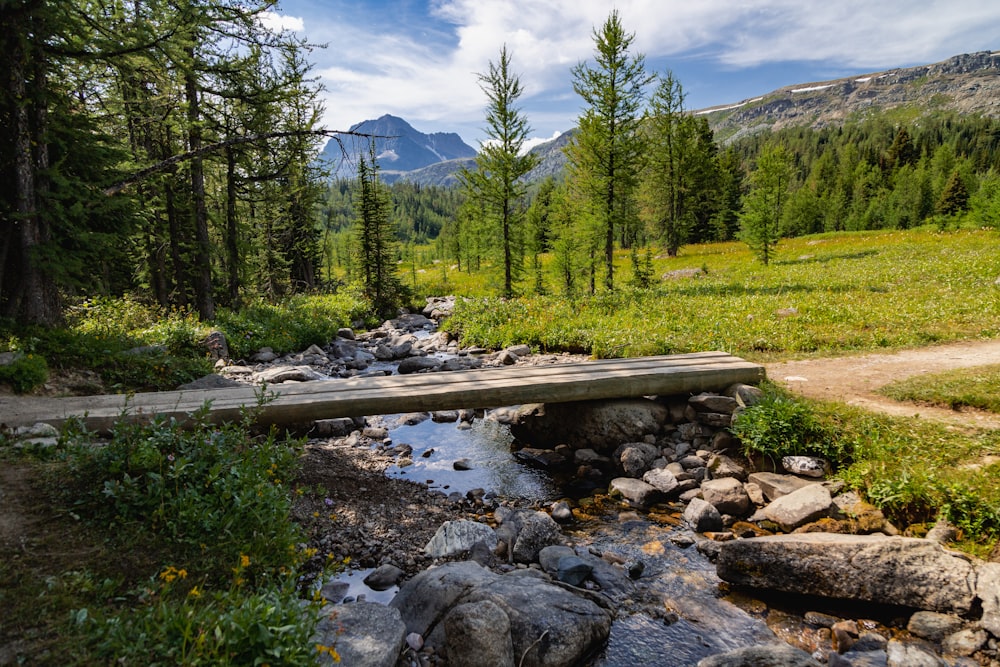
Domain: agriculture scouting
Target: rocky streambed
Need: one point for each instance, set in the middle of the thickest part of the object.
(645, 540)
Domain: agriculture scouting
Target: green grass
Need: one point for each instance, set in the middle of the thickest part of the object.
(965, 388)
(849, 291)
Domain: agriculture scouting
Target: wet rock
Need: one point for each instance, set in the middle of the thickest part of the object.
(364, 633)
(891, 570)
(799, 507)
(383, 577)
(635, 458)
(444, 416)
(637, 492)
(702, 516)
(561, 512)
(964, 642)
(334, 591)
(774, 485)
(807, 466)
(550, 556)
(908, 654)
(727, 495)
(770, 655)
(932, 625)
(458, 537)
(544, 459)
(570, 626)
(662, 480)
(573, 570)
(411, 365)
(462, 465)
(478, 635)
(412, 418)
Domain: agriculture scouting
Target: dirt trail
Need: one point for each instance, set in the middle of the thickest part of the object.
(854, 380)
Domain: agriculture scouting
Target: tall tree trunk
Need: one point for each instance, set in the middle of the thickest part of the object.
(232, 231)
(203, 252)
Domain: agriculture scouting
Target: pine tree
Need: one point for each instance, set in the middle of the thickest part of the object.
(500, 166)
(376, 239)
(764, 205)
(955, 196)
(605, 156)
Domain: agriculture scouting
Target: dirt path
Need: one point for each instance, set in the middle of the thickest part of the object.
(854, 380)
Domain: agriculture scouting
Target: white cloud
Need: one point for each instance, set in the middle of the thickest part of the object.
(535, 141)
(276, 22)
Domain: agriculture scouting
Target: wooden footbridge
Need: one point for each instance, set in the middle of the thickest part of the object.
(301, 403)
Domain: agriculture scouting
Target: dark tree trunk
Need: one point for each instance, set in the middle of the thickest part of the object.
(203, 252)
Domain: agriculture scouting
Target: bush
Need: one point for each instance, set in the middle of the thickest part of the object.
(25, 373)
(780, 426)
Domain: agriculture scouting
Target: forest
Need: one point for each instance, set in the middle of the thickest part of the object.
(166, 150)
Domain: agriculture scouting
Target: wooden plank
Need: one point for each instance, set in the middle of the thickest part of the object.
(308, 401)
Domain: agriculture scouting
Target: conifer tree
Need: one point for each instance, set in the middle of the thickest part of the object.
(376, 239)
(762, 210)
(605, 156)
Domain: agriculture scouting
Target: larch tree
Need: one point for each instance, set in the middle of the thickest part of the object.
(501, 165)
(376, 246)
(606, 155)
(760, 221)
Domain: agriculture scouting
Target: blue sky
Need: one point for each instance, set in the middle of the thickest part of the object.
(419, 60)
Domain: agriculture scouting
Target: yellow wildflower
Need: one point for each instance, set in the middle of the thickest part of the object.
(194, 592)
(244, 560)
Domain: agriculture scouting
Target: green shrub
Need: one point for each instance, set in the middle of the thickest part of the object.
(151, 370)
(25, 373)
(780, 425)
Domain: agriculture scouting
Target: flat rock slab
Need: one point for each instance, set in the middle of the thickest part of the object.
(892, 570)
(365, 634)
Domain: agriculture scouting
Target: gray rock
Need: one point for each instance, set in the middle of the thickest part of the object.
(769, 655)
(774, 485)
(932, 625)
(702, 516)
(573, 570)
(942, 532)
(444, 416)
(800, 507)
(365, 634)
(478, 635)
(520, 350)
(543, 459)
(418, 364)
(383, 577)
(599, 425)
(720, 465)
(346, 333)
(210, 381)
(807, 466)
(508, 358)
(988, 592)
(892, 570)
(662, 480)
(907, 654)
(727, 495)
(561, 512)
(457, 537)
(549, 557)
(413, 418)
(637, 492)
(853, 658)
(754, 493)
(549, 625)
(337, 427)
(215, 343)
(8, 358)
(713, 403)
(280, 374)
(264, 355)
(964, 642)
(37, 430)
(746, 395)
(538, 531)
(635, 458)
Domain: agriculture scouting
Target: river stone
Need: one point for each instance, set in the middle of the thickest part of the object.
(662, 480)
(478, 635)
(807, 466)
(988, 591)
(599, 425)
(383, 577)
(457, 537)
(727, 495)
(769, 655)
(366, 634)
(774, 485)
(635, 458)
(702, 516)
(264, 355)
(549, 625)
(964, 642)
(549, 557)
(933, 625)
(892, 570)
(573, 570)
(418, 364)
(538, 530)
(746, 395)
(720, 465)
(637, 492)
(280, 374)
(800, 507)
(907, 654)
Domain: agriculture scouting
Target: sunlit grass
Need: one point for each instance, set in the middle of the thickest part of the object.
(826, 294)
(964, 388)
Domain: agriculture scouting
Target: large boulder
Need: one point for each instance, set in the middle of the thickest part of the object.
(768, 655)
(727, 495)
(365, 634)
(598, 425)
(457, 537)
(893, 570)
(478, 635)
(549, 625)
(800, 507)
